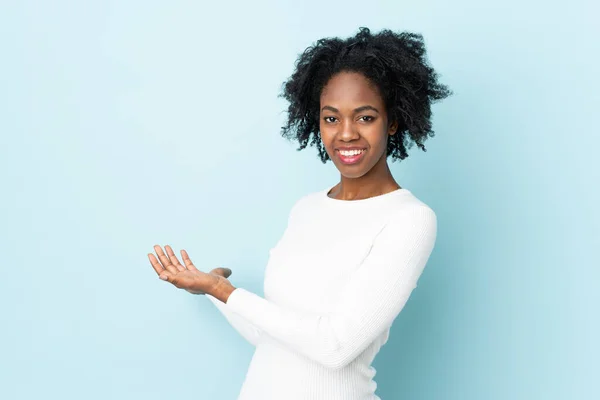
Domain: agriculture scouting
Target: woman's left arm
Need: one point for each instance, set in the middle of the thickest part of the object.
(368, 304)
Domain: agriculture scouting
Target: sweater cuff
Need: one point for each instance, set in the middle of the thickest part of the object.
(240, 300)
(233, 297)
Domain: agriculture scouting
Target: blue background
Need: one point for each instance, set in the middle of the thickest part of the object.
(129, 124)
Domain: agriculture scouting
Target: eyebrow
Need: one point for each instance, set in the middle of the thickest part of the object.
(359, 109)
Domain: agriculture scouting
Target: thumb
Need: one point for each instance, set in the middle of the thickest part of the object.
(224, 272)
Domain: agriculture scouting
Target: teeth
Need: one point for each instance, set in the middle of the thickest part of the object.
(351, 152)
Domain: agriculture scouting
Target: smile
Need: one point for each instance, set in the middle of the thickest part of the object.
(351, 157)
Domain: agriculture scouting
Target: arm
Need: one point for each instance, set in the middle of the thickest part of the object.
(248, 331)
(219, 297)
(368, 303)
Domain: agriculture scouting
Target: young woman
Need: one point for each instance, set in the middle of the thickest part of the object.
(352, 253)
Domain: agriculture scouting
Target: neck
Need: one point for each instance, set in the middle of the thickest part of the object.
(377, 181)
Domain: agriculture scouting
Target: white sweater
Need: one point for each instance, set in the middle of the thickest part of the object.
(334, 283)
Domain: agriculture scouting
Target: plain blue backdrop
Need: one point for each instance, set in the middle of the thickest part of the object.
(129, 124)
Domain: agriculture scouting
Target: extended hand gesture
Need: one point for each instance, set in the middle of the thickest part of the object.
(186, 276)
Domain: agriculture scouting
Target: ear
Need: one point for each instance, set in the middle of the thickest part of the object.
(393, 128)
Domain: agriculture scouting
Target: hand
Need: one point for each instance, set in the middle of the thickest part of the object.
(186, 276)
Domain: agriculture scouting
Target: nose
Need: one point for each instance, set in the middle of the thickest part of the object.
(348, 131)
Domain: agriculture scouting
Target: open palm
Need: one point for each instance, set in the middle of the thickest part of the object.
(185, 276)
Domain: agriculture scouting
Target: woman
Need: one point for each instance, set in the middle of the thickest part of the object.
(351, 254)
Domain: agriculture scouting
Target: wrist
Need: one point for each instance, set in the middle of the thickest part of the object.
(222, 288)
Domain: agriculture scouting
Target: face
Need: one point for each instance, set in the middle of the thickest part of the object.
(354, 125)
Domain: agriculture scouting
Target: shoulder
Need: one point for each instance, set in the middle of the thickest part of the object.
(414, 227)
(411, 207)
(411, 214)
(307, 202)
(416, 214)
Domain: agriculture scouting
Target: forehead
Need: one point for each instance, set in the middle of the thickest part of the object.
(350, 88)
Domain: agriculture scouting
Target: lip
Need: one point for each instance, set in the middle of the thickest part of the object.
(350, 148)
(351, 159)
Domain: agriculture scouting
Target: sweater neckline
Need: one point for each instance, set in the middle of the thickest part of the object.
(368, 200)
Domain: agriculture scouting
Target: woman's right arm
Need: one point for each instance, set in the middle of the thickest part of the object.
(248, 331)
(244, 327)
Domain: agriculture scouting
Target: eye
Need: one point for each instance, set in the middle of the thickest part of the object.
(369, 118)
(326, 119)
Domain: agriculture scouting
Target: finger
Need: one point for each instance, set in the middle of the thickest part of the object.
(167, 276)
(178, 280)
(187, 261)
(224, 272)
(155, 264)
(173, 258)
(163, 274)
(166, 263)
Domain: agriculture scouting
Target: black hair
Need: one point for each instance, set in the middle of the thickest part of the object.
(395, 62)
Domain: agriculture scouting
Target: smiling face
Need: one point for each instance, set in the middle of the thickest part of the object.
(354, 125)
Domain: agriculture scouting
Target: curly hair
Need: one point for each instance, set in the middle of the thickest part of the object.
(395, 62)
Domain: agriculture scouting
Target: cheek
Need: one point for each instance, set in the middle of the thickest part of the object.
(376, 139)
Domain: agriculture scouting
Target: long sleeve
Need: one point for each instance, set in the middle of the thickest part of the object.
(244, 327)
(368, 303)
(248, 331)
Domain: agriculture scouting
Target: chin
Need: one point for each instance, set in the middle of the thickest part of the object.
(351, 176)
(350, 172)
